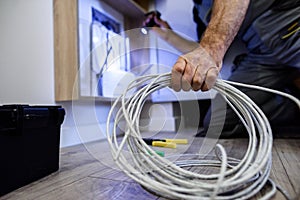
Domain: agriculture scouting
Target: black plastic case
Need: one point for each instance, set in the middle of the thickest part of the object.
(29, 144)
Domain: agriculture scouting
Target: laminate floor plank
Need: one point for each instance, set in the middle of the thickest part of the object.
(288, 155)
(75, 164)
(97, 188)
(89, 172)
(279, 175)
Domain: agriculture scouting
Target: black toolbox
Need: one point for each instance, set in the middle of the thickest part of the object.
(29, 144)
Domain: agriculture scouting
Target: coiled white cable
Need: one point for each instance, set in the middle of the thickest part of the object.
(237, 179)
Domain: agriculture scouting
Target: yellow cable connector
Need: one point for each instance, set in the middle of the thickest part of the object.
(177, 141)
(164, 144)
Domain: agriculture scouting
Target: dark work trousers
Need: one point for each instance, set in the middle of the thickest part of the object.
(272, 61)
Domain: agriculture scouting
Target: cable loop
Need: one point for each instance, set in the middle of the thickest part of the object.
(237, 179)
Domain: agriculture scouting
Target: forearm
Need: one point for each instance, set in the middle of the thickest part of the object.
(226, 19)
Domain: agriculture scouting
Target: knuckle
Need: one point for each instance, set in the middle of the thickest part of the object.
(197, 80)
(196, 87)
(178, 67)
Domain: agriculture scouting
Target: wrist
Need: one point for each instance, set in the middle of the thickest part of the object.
(215, 50)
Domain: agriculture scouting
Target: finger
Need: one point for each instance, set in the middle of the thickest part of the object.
(210, 79)
(197, 80)
(156, 20)
(177, 72)
(146, 21)
(159, 22)
(187, 78)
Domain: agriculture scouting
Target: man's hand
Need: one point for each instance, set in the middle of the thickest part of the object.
(165, 32)
(195, 70)
(155, 21)
(198, 70)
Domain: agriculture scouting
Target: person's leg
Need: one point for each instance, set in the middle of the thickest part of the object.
(279, 110)
(273, 61)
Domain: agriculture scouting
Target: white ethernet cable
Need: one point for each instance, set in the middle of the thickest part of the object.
(237, 179)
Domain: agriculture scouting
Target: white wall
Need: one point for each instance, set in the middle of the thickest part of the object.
(26, 52)
(27, 68)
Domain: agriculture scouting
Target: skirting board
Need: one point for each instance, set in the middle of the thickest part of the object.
(73, 135)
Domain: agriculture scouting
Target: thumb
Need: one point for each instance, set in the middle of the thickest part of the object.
(211, 78)
(161, 23)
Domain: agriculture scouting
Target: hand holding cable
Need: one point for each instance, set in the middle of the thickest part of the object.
(198, 69)
(195, 70)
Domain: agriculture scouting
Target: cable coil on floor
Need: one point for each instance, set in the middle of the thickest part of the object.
(237, 179)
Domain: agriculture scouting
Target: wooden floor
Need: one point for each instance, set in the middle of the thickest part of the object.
(88, 172)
